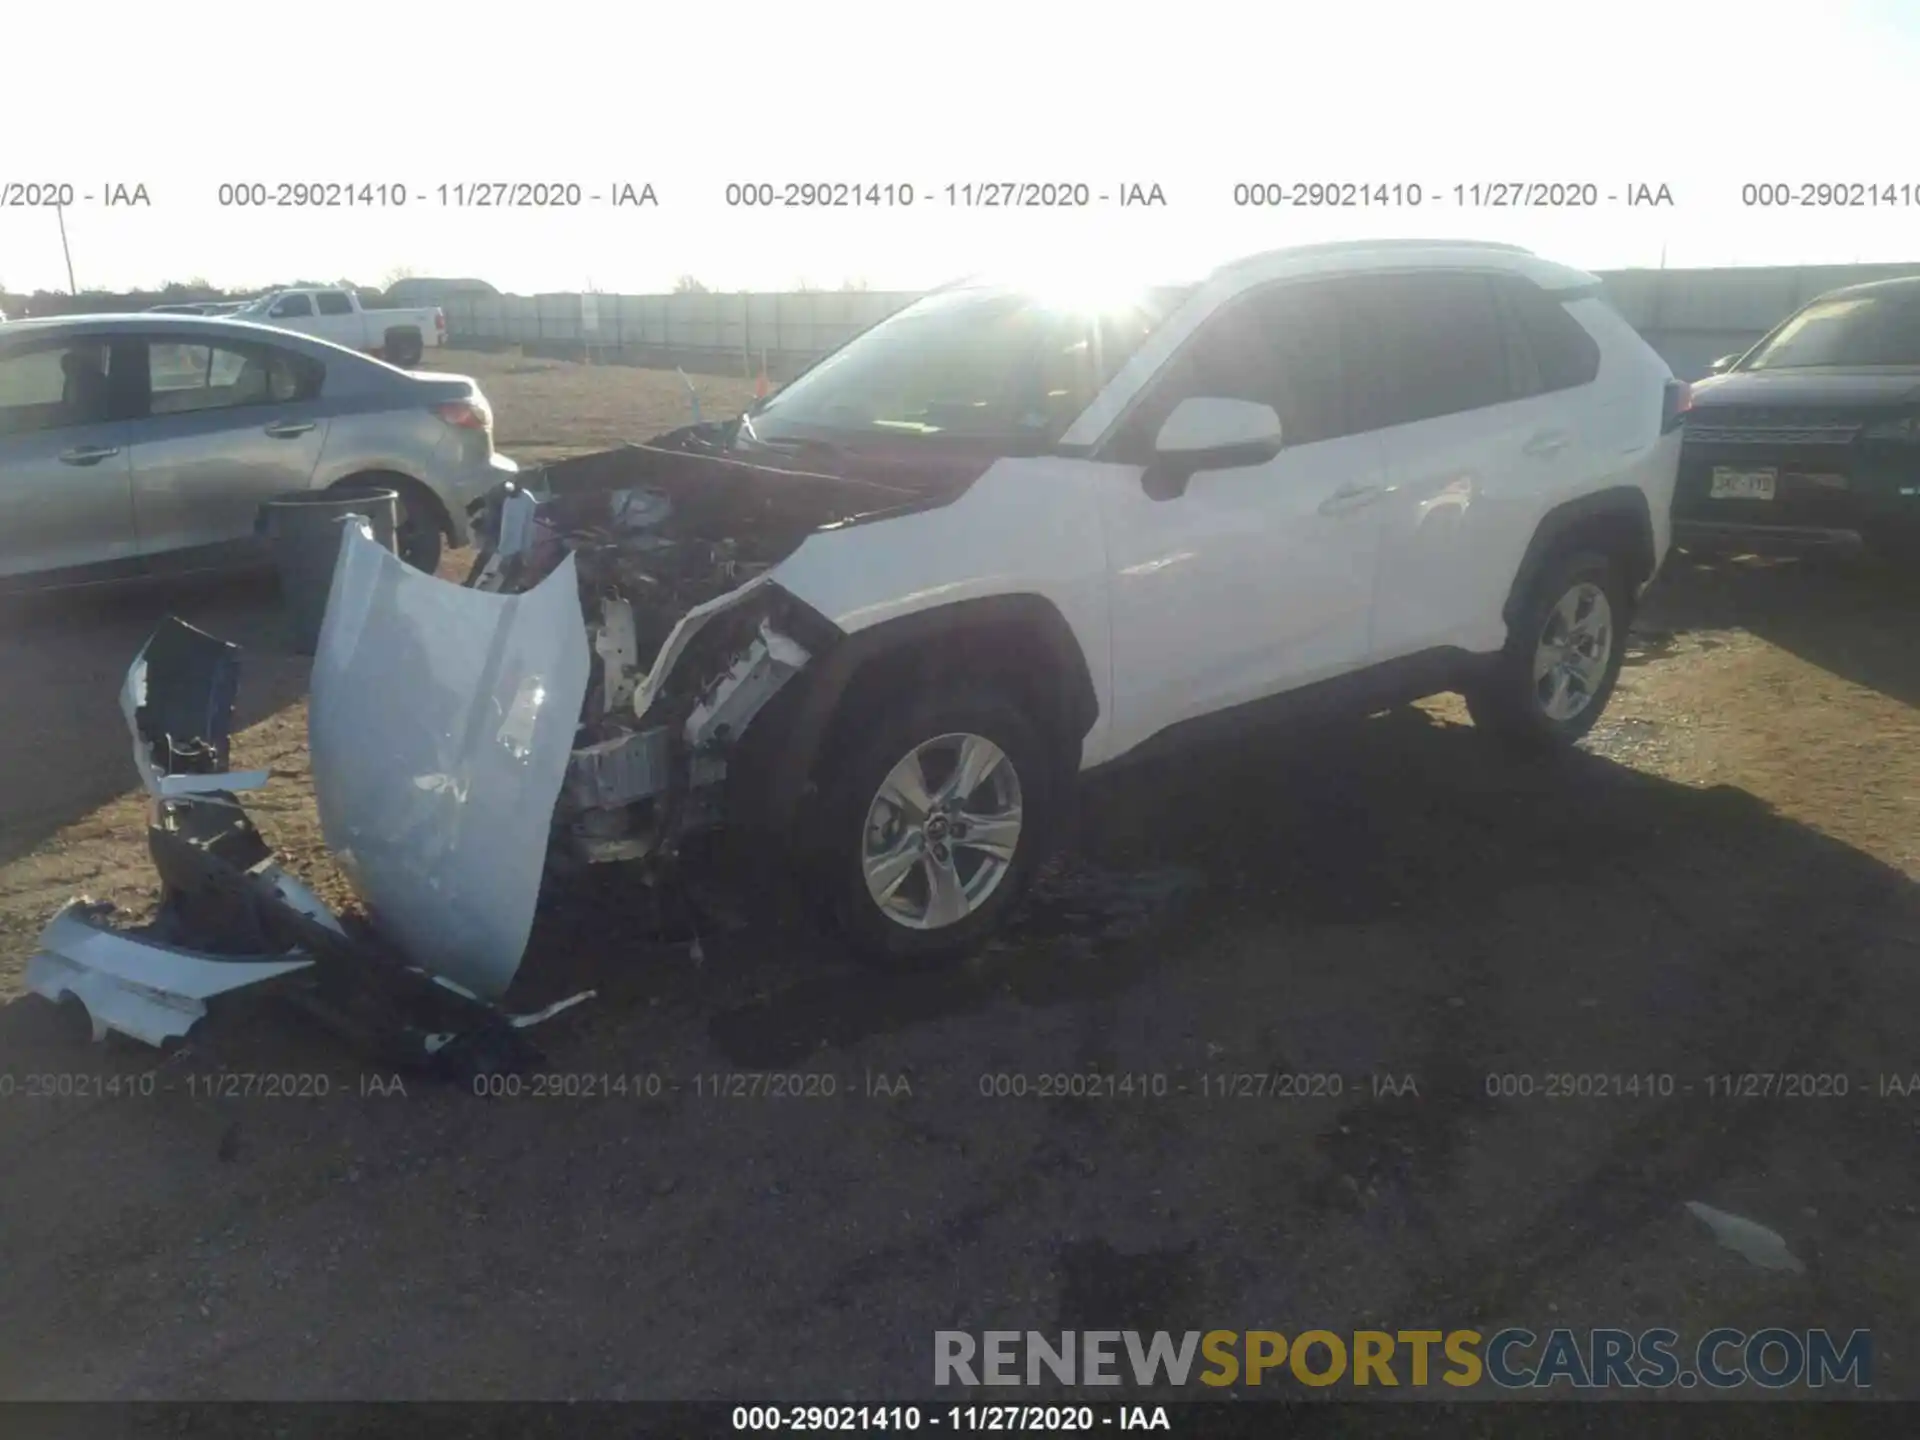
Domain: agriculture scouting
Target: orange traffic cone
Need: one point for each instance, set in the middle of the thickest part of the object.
(760, 386)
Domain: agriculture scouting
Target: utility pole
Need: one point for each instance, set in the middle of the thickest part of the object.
(60, 214)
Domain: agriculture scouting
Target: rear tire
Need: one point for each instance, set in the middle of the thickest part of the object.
(418, 537)
(951, 870)
(1562, 658)
(419, 534)
(404, 348)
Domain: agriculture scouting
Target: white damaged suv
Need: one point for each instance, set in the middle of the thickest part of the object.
(876, 627)
(878, 624)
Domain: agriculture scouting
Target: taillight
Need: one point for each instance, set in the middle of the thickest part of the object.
(440, 324)
(1673, 411)
(465, 414)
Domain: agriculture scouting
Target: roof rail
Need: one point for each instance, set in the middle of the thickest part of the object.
(1329, 246)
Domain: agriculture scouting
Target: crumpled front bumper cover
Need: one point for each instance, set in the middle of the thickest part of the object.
(133, 983)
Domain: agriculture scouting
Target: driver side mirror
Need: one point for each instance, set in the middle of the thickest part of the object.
(1208, 433)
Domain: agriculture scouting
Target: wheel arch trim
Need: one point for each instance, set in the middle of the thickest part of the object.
(806, 723)
(1615, 507)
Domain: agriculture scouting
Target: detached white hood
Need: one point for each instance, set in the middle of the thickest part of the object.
(441, 724)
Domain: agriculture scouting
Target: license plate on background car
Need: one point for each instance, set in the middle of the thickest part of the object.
(1732, 484)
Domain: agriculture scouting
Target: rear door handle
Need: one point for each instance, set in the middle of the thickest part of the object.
(288, 429)
(1550, 443)
(1350, 497)
(88, 454)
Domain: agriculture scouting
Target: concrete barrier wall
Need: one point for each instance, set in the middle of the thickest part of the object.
(1690, 316)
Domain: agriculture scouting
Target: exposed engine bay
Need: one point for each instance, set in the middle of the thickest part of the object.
(689, 638)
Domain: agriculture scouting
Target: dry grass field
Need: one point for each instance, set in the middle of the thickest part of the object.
(1721, 882)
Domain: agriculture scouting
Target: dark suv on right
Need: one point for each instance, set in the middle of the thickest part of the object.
(1811, 438)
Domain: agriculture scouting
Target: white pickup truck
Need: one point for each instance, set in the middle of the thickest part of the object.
(400, 337)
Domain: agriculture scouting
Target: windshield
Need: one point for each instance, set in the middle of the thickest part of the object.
(1845, 331)
(973, 363)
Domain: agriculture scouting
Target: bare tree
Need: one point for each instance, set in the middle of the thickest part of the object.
(687, 285)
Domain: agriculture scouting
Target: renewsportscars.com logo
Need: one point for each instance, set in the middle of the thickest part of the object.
(1510, 1359)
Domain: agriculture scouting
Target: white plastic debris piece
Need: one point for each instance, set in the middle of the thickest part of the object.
(521, 1022)
(1748, 1238)
(137, 986)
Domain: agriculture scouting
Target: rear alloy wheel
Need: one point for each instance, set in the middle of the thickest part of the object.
(416, 534)
(934, 825)
(1570, 660)
(1562, 659)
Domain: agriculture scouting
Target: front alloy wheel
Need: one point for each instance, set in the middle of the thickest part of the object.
(942, 831)
(935, 806)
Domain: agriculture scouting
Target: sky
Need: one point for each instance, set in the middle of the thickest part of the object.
(1703, 98)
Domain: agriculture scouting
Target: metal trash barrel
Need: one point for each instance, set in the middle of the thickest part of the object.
(303, 534)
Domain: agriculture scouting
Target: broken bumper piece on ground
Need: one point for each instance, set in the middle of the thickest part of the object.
(230, 918)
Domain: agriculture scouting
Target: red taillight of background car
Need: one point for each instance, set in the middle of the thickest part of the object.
(465, 414)
(1679, 401)
(440, 326)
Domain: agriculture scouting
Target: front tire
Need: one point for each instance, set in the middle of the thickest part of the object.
(1562, 658)
(933, 822)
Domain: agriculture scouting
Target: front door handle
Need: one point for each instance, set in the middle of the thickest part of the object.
(1350, 497)
(1551, 443)
(88, 454)
(288, 429)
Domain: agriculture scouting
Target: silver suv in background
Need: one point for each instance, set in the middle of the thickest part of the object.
(143, 444)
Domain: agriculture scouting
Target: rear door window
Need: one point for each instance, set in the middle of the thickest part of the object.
(187, 376)
(1437, 347)
(333, 302)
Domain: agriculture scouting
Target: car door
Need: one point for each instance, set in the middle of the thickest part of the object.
(1470, 445)
(337, 320)
(228, 424)
(293, 311)
(1256, 579)
(66, 496)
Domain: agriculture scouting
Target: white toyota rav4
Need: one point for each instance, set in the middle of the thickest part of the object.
(877, 625)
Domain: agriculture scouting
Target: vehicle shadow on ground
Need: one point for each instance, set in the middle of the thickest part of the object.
(1854, 619)
(1399, 821)
(64, 747)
